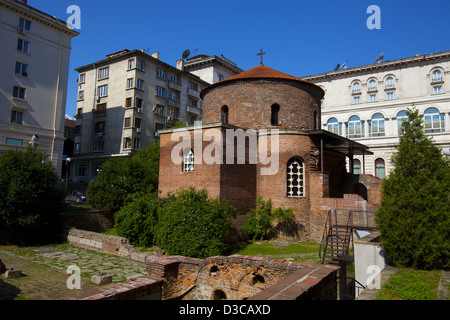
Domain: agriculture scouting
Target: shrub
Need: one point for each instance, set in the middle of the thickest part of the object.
(260, 222)
(120, 179)
(413, 218)
(193, 225)
(136, 220)
(30, 204)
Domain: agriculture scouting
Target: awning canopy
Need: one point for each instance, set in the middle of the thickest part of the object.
(332, 141)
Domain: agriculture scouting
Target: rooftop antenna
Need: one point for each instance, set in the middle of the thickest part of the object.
(186, 54)
(337, 67)
(379, 58)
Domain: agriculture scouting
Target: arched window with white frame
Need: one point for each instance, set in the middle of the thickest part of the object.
(376, 125)
(434, 121)
(295, 178)
(334, 126)
(188, 160)
(401, 116)
(437, 76)
(354, 127)
(380, 168)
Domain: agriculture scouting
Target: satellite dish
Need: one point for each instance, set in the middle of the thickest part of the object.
(186, 54)
(337, 67)
(381, 56)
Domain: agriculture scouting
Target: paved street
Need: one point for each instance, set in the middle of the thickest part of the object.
(44, 271)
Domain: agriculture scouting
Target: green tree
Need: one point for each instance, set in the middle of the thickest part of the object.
(261, 220)
(119, 179)
(137, 220)
(30, 204)
(192, 225)
(413, 218)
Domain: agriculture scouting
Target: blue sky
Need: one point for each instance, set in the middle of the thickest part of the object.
(300, 37)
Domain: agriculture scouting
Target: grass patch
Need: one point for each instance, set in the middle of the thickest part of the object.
(111, 232)
(410, 284)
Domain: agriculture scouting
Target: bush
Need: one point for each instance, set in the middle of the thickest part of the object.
(136, 220)
(30, 204)
(413, 218)
(120, 179)
(193, 226)
(260, 222)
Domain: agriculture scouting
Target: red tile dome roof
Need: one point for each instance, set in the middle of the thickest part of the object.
(259, 72)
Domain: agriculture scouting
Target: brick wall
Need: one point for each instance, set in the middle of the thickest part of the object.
(240, 277)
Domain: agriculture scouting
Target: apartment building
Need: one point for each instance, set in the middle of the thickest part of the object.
(34, 66)
(123, 101)
(368, 104)
(211, 69)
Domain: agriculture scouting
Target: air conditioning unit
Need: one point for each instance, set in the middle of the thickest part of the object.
(138, 130)
(169, 118)
(20, 30)
(97, 98)
(139, 110)
(156, 134)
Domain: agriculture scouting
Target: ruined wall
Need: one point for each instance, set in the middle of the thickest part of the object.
(238, 277)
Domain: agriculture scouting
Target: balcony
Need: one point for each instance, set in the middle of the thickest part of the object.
(173, 103)
(193, 93)
(193, 110)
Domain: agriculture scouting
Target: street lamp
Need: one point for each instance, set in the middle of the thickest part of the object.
(67, 170)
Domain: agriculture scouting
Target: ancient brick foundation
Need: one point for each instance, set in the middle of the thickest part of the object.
(242, 277)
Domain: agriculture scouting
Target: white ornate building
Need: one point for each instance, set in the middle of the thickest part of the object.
(368, 103)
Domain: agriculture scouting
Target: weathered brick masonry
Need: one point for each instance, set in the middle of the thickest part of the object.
(263, 99)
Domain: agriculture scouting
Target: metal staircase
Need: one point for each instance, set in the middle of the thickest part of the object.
(338, 234)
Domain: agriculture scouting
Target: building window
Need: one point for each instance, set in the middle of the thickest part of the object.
(275, 110)
(103, 73)
(127, 143)
(390, 96)
(161, 74)
(354, 128)
(356, 166)
(437, 76)
(77, 148)
(174, 95)
(81, 95)
(21, 69)
(390, 83)
(137, 123)
(16, 117)
(173, 78)
(160, 92)
(193, 86)
(24, 24)
(131, 64)
(14, 142)
(130, 83)
(401, 116)
(373, 98)
(101, 108)
(224, 114)
(437, 90)
(380, 170)
(434, 121)
(376, 125)
(159, 109)
(334, 126)
(140, 84)
(139, 103)
(103, 91)
(188, 160)
(82, 78)
(23, 46)
(99, 127)
(137, 144)
(141, 65)
(127, 123)
(98, 146)
(19, 92)
(356, 100)
(295, 178)
(356, 88)
(221, 77)
(372, 85)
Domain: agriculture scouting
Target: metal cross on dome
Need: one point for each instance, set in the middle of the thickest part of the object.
(261, 54)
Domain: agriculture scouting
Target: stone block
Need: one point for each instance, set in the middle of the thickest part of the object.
(101, 279)
(13, 273)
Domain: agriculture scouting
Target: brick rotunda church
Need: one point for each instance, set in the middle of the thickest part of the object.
(298, 165)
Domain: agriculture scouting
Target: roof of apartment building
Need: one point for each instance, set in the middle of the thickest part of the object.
(24, 8)
(125, 54)
(202, 59)
(417, 58)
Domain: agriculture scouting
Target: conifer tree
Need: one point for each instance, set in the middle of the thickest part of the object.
(414, 215)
